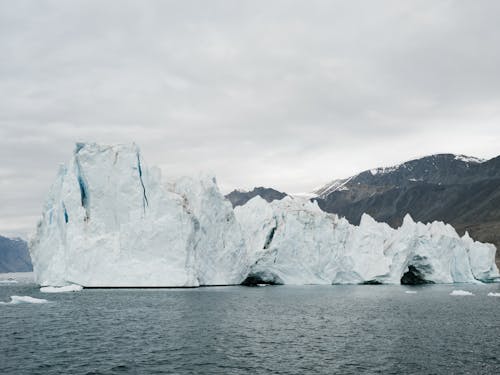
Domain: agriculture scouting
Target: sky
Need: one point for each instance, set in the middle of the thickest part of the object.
(285, 94)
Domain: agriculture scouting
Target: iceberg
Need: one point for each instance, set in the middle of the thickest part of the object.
(461, 293)
(292, 241)
(61, 289)
(15, 300)
(110, 221)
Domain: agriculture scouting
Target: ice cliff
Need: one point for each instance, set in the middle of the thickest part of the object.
(292, 241)
(111, 221)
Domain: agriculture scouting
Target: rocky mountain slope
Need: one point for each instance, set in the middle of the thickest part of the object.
(14, 255)
(240, 197)
(460, 190)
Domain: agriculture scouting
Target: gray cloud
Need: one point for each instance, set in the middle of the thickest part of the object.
(276, 93)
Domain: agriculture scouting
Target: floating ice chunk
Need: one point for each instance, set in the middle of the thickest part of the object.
(62, 289)
(9, 281)
(410, 292)
(14, 300)
(492, 294)
(461, 293)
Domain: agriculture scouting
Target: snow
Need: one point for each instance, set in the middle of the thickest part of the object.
(15, 300)
(61, 289)
(384, 170)
(461, 293)
(335, 185)
(469, 159)
(110, 220)
(493, 294)
(292, 241)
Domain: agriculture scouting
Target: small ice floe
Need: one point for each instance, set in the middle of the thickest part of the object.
(461, 293)
(410, 292)
(14, 300)
(261, 284)
(61, 289)
(8, 281)
(492, 294)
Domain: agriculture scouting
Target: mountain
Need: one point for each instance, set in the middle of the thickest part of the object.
(240, 197)
(14, 255)
(461, 190)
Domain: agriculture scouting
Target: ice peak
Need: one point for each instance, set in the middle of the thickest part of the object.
(408, 220)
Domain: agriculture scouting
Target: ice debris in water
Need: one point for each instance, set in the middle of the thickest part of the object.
(492, 294)
(61, 289)
(461, 293)
(410, 292)
(14, 300)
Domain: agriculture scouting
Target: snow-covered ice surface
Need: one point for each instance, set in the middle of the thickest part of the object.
(292, 241)
(15, 300)
(61, 289)
(461, 293)
(110, 221)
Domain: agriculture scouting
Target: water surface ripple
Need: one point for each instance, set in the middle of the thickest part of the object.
(239, 330)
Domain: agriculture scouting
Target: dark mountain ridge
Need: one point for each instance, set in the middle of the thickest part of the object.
(239, 197)
(460, 190)
(14, 255)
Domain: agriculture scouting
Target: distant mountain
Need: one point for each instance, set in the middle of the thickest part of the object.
(461, 190)
(240, 197)
(14, 255)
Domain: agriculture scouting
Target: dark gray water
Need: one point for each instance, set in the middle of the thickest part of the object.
(240, 330)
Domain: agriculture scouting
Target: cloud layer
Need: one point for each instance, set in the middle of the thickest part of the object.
(276, 93)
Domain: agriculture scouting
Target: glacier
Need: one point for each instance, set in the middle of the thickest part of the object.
(111, 221)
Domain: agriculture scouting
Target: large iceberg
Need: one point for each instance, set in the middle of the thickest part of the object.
(111, 221)
(292, 241)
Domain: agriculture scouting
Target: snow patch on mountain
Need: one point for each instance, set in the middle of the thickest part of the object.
(469, 159)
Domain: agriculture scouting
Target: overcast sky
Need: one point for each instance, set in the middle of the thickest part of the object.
(275, 93)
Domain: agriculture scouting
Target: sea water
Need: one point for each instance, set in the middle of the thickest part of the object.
(365, 329)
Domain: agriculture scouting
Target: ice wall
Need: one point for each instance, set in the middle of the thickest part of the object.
(293, 242)
(109, 220)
